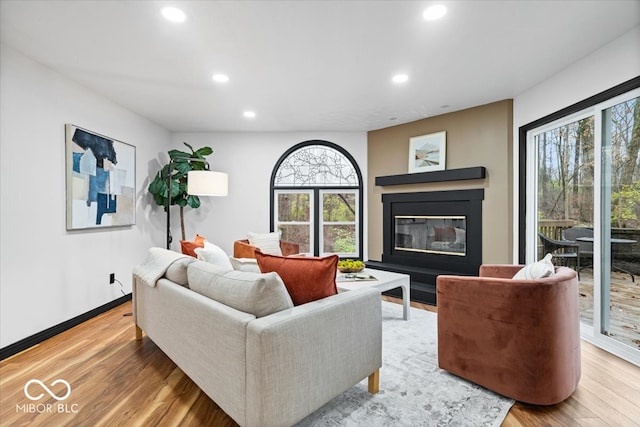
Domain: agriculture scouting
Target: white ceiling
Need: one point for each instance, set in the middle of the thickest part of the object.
(309, 65)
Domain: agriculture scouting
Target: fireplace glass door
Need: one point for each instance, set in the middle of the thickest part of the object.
(444, 235)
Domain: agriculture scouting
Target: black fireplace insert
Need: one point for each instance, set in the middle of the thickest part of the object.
(426, 234)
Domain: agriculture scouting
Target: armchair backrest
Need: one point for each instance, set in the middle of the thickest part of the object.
(242, 249)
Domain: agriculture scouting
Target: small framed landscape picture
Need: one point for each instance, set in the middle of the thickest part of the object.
(427, 152)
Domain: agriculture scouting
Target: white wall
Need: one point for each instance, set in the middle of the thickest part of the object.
(47, 274)
(604, 68)
(249, 159)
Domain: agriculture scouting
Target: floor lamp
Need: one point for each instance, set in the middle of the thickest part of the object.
(199, 183)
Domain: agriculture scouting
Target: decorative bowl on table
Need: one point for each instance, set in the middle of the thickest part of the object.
(349, 266)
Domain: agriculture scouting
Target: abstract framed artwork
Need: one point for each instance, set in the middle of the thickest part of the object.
(427, 152)
(101, 177)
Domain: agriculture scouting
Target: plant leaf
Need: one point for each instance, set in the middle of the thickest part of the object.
(177, 154)
(190, 147)
(193, 201)
(156, 185)
(204, 151)
(175, 189)
(182, 167)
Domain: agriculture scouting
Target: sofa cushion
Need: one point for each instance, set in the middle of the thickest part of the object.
(177, 271)
(213, 254)
(188, 247)
(268, 243)
(536, 270)
(306, 278)
(255, 293)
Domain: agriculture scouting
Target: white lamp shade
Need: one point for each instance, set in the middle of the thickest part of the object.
(207, 183)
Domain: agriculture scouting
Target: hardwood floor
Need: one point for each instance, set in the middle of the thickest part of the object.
(117, 381)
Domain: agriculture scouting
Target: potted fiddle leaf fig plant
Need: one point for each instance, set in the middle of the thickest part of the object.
(180, 162)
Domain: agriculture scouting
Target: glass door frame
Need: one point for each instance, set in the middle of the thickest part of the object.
(602, 200)
(527, 233)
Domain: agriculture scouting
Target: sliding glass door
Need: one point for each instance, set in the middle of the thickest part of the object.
(565, 168)
(620, 216)
(585, 173)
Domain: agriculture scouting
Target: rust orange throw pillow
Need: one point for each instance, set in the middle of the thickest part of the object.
(189, 248)
(306, 278)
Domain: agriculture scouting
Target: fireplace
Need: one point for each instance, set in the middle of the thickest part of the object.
(426, 234)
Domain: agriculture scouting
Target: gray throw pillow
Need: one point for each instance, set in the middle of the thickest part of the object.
(255, 293)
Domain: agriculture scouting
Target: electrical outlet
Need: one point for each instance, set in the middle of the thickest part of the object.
(112, 278)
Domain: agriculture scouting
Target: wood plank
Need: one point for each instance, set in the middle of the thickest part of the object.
(601, 408)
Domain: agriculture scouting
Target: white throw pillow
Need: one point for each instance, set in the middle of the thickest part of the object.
(461, 235)
(268, 243)
(214, 255)
(245, 264)
(536, 270)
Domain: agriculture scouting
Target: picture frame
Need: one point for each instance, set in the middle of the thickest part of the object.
(100, 180)
(427, 152)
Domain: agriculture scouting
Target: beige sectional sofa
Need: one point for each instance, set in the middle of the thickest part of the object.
(239, 338)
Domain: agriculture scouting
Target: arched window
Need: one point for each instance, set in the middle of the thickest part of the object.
(316, 199)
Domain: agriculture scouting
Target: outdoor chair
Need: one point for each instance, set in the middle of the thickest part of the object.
(584, 248)
(564, 251)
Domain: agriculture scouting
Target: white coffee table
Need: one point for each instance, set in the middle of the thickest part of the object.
(386, 280)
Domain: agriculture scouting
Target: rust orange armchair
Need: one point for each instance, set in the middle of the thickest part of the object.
(519, 338)
(242, 249)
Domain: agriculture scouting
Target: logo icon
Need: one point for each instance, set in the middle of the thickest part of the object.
(47, 389)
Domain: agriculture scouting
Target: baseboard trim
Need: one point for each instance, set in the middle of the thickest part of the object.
(37, 338)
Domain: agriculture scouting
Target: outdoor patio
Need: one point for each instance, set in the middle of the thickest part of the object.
(625, 306)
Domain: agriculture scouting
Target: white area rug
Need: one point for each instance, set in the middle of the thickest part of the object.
(413, 390)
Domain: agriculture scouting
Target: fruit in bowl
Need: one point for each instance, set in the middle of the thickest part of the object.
(350, 266)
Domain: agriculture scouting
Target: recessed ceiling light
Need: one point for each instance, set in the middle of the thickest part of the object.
(173, 14)
(434, 12)
(249, 114)
(220, 78)
(400, 78)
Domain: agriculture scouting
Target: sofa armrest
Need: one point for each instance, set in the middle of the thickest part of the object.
(301, 358)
